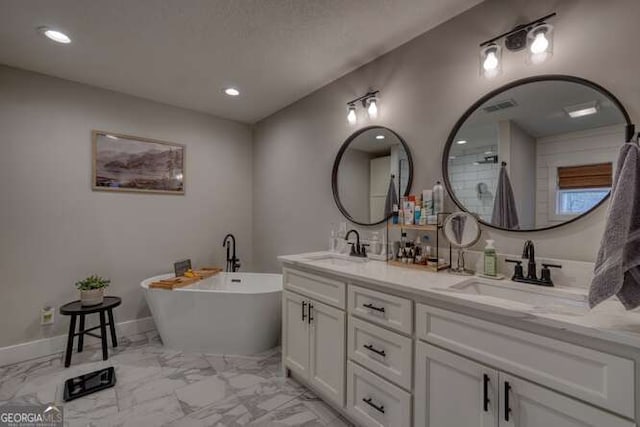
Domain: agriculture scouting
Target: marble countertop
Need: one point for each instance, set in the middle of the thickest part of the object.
(608, 321)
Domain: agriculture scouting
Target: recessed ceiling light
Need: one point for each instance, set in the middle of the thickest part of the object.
(232, 91)
(380, 137)
(582, 110)
(55, 35)
(462, 141)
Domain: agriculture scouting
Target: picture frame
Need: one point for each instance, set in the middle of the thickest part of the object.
(126, 163)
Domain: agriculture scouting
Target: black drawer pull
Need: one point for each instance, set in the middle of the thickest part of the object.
(368, 401)
(373, 307)
(310, 308)
(507, 408)
(375, 350)
(486, 400)
(304, 305)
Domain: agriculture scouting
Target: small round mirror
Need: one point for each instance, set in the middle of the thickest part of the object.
(372, 171)
(461, 230)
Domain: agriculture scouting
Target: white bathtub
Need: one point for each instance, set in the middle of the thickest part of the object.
(230, 313)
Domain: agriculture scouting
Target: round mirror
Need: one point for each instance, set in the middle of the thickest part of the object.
(535, 154)
(461, 229)
(372, 170)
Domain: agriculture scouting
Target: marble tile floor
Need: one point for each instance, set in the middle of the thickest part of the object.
(157, 386)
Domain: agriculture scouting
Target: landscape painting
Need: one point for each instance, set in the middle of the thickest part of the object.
(129, 163)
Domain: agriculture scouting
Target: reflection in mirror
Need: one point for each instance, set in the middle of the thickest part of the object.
(537, 154)
(372, 169)
(461, 230)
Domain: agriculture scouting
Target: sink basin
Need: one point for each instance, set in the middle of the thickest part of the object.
(524, 294)
(337, 260)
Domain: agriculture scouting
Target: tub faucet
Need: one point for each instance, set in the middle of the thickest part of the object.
(233, 262)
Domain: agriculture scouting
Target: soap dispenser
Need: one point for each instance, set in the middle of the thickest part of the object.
(490, 259)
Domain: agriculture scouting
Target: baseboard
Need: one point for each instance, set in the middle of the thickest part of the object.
(46, 346)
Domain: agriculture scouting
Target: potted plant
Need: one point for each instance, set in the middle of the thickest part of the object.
(92, 289)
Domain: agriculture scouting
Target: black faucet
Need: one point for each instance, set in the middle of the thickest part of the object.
(356, 248)
(529, 252)
(233, 262)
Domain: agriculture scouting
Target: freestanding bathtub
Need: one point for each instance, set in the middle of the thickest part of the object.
(229, 313)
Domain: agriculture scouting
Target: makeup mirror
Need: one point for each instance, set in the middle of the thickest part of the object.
(462, 230)
(372, 171)
(535, 154)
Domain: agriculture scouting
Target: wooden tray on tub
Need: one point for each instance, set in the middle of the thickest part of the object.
(179, 282)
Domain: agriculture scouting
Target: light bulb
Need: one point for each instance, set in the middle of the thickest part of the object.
(540, 43)
(372, 110)
(55, 35)
(351, 116)
(491, 61)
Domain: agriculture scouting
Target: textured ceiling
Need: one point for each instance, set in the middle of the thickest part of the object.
(185, 52)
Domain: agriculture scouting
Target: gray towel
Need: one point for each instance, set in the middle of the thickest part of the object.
(505, 214)
(457, 224)
(392, 198)
(617, 269)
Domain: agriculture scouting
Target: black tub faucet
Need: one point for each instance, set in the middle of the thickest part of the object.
(356, 248)
(233, 262)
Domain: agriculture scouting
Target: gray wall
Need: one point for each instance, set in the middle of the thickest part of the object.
(425, 86)
(54, 230)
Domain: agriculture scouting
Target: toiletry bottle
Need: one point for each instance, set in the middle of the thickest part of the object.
(417, 215)
(438, 198)
(341, 245)
(490, 259)
(427, 201)
(333, 242)
(394, 215)
(375, 242)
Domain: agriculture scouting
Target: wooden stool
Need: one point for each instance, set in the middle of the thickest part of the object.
(75, 309)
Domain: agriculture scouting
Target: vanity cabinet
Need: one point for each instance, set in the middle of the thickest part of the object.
(455, 391)
(314, 334)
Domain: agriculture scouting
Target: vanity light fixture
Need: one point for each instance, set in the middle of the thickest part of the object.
(232, 91)
(369, 101)
(351, 115)
(491, 60)
(379, 136)
(55, 35)
(537, 35)
(582, 110)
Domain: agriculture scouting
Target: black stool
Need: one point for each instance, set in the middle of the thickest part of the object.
(75, 309)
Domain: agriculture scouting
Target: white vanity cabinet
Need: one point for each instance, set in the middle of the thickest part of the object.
(314, 334)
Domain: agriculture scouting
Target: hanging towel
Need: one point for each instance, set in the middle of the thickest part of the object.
(392, 198)
(505, 214)
(457, 224)
(617, 269)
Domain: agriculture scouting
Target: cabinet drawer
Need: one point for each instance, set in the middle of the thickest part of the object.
(372, 401)
(384, 352)
(383, 309)
(320, 288)
(602, 379)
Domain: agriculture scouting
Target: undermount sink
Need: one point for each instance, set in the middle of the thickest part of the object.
(338, 260)
(524, 294)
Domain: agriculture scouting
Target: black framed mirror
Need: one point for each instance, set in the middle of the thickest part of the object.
(535, 154)
(371, 162)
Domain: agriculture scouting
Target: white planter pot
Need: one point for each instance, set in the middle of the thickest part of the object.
(92, 297)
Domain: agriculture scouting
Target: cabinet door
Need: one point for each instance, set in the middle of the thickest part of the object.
(524, 404)
(453, 391)
(327, 361)
(295, 333)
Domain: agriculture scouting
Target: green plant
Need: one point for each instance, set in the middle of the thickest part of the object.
(92, 282)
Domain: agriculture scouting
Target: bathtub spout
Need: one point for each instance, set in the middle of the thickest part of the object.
(233, 262)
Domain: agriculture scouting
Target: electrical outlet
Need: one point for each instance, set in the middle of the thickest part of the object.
(46, 315)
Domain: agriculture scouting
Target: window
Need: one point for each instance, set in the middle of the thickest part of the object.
(582, 187)
(575, 202)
